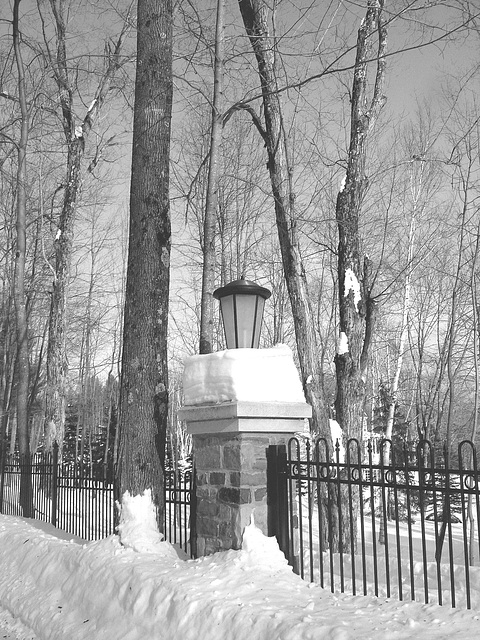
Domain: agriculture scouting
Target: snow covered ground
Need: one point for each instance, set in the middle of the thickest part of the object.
(55, 587)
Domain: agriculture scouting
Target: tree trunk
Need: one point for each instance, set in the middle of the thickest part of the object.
(254, 14)
(452, 325)
(209, 224)
(356, 306)
(144, 380)
(57, 362)
(22, 365)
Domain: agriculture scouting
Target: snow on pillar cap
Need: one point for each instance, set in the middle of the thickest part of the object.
(257, 375)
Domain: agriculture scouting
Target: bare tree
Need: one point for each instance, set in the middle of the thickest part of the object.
(255, 15)
(356, 304)
(76, 131)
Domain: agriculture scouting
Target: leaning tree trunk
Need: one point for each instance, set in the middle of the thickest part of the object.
(213, 183)
(144, 379)
(22, 363)
(254, 14)
(356, 305)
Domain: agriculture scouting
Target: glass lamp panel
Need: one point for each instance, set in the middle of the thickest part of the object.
(246, 306)
(258, 321)
(228, 317)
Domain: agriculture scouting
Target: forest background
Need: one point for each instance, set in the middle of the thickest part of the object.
(419, 222)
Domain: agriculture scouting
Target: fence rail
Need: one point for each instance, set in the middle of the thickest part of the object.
(353, 523)
(79, 499)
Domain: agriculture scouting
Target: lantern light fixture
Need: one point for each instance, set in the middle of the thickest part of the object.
(241, 304)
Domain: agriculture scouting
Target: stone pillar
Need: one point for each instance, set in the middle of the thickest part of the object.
(230, 442)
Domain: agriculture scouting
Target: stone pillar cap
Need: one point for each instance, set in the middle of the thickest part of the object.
(245, 409)
(246, 416)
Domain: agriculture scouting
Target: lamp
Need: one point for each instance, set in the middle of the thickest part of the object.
(241, 304)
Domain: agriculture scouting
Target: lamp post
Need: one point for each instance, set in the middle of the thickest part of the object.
(241, 304)
(233, 421)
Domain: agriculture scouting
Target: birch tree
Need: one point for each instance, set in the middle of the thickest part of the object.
(213, 182)
(423, 181)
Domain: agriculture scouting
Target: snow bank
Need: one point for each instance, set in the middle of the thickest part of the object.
(257, 375)
(103, 591)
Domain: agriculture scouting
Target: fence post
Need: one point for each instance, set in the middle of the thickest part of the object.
(54, 483)
(277, 497)
(193, 514)
(3, 454)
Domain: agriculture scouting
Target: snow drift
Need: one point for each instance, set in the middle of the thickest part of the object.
(61, 589)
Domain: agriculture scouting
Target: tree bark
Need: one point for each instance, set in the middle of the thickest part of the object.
(356, 305)
(144, 380)
(254, 14)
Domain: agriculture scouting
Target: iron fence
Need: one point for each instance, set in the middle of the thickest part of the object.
(79, 498)
(352, 522)
(180, 501)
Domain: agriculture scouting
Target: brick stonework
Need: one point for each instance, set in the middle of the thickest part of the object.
(230, 442)
(231, 484)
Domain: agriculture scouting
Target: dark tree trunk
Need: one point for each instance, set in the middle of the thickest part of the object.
(22, 364)
(356, 305)
(144, 379)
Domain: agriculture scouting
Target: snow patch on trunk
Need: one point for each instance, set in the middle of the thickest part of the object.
(342, 346)
(352, 284)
